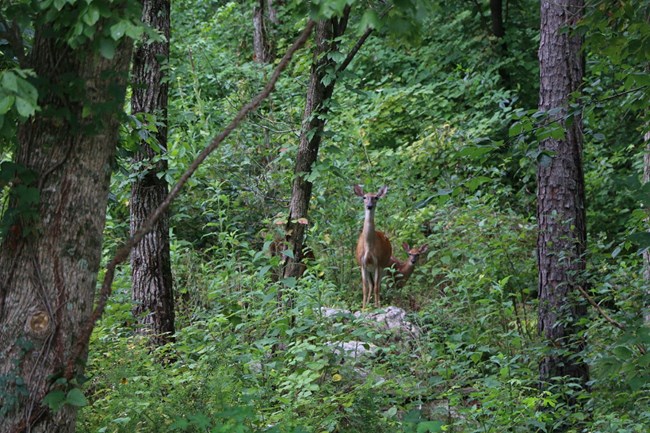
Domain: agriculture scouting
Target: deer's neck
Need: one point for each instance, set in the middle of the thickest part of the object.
(369, 226)
(406, 268)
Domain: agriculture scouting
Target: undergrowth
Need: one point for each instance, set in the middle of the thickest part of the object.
(238, 364)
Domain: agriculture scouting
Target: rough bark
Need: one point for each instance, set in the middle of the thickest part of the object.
(48, 268)
(262, 49)
(561, 242)
(272, 6)
(318, 93)
(150, 259)
(47, 282)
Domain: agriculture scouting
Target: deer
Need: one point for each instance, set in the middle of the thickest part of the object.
(403, 270)
(373, 247)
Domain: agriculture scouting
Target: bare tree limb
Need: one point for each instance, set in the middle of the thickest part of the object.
(602, 312)
(123, 252)
(355, 49)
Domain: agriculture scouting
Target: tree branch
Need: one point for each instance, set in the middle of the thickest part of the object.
(123, 252)
(602, 312)
(355, 49)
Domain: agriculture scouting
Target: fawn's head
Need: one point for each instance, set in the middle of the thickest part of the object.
(414, 253)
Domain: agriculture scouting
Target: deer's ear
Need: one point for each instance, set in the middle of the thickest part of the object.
(382, 191)
(406, 247)
(424, 248)
(358, 190)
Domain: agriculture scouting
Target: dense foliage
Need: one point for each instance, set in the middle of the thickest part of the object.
(443, 112)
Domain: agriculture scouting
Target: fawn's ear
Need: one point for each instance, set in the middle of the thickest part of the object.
(358, 190)
(424, 248)
(382, 191)
(406, 247)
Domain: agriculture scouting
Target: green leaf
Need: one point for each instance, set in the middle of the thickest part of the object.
(263, 271)
(623, 352)
(27, 91)
(515, 129)
(118, 30)
(54, 400)
(290, 282)
(545, 158)
(430, 427)
(91, 16)
(640, 238)
(122, 420)
(644, 361)
(475, 151)
(200, 420)
(391, 412)
(59, 4)
(76, 398)
(28, 195)
(24, 107)
(477, 181)
(10, 81)
(369, 20)
(135, 32)
(6, 103)
(107, 48)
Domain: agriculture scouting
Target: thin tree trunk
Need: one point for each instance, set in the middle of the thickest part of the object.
(48, 268)
(496, 13)
(47, 281)
(271, 6)
(262, 48)
(646, 253)
(561, 242)
(499, 30)
(318, 93)
(151, 276)
(264, 55)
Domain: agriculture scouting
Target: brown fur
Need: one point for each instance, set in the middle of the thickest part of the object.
(373, 248)
(404, 269)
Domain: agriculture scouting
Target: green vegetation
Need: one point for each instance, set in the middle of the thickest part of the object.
(444, 113)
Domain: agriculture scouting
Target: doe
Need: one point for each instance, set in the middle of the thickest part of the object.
(373, 247)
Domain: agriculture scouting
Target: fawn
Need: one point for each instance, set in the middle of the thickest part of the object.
(403, 270)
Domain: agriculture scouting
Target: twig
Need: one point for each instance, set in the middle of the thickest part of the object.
(600, 310)
(619, 325)
(355, 49)
(123, 252)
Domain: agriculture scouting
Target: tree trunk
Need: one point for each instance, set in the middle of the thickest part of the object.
(496, 13)
(153, 294)
(499, 31)
(318, 93)
(561, 242)
(262, 49)
(48, 268)
(273, 10)
(646, 253)
(263, 54)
